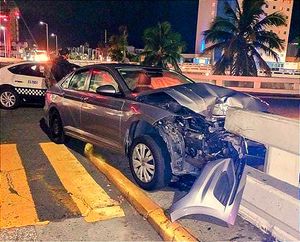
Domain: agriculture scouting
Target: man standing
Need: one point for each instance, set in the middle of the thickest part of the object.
(61, 66)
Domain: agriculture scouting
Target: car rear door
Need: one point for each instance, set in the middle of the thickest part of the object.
(29, 79)
(101, 114)
(74, 91)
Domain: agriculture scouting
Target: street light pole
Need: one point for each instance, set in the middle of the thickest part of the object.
(56, 46)
(4, 40)
(47, 35)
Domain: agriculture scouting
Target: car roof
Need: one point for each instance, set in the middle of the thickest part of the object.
(23, 62)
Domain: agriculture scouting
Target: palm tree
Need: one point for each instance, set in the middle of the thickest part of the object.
(241, 36)
(162, 46)
(118, 45)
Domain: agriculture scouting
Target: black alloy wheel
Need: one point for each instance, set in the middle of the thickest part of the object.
(9, 98)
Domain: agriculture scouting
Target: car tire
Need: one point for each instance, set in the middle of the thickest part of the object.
(150, 174)
(9, 98)
(57, 133)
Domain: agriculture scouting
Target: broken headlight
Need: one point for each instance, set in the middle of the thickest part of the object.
(223, 104)
(220, 109)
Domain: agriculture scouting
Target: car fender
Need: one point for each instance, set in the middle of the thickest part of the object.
(133, 113)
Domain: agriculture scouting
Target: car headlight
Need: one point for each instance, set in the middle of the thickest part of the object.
(223, 104)
(220, 109)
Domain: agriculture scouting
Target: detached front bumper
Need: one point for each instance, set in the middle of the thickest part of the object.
(217, 192)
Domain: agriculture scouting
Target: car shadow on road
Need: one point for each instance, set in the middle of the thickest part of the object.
(44, 127)
(73, 144)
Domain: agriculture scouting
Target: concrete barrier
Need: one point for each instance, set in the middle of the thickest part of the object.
(271, 198)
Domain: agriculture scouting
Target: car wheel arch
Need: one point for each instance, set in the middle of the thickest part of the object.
(3, 86)
(53, 110)
(137, 129)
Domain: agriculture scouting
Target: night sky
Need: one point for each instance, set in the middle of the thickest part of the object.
(77, 22)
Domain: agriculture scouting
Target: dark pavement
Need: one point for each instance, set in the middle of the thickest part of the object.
(52, 201)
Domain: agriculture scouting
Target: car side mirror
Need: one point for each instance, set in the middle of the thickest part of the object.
(106, 90)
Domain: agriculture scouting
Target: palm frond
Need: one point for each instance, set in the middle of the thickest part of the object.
(261, 62)
(270, 39)
(267, 50)
(274, 19)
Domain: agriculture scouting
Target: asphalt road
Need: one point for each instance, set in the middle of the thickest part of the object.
(54, 203)
(52, 199)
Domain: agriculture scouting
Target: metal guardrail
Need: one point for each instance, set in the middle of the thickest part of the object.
(207, 70)
(267, 85)
(272, 85)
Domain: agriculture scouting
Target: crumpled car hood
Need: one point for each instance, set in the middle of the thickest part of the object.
(202, 97)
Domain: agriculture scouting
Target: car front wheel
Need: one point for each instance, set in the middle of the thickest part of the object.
(150, 162)
(9, 99)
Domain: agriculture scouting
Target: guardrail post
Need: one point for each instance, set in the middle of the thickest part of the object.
(280, 135)
(282, 165)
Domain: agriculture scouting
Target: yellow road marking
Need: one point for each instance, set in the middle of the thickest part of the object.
(16, 204)
(92, 201)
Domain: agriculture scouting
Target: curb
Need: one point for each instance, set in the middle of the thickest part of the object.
(169, 231)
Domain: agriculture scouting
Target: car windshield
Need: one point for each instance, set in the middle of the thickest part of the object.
(139, 80)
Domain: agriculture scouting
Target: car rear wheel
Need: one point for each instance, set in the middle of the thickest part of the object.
(57, 133)
(9, 98)
(150, 162)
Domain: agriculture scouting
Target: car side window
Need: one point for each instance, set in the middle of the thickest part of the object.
(27, 70)
(102, 78)
(66, 80)
(78, 80)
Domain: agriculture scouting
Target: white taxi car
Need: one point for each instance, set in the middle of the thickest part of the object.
(22, 82)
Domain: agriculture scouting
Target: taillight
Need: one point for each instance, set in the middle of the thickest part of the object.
(48, 96)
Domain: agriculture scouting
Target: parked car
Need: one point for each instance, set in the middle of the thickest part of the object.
(166, 123)
(22, 82)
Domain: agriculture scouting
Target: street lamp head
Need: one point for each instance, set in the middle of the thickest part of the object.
(53, 35)
(41, 22)
(2, 28)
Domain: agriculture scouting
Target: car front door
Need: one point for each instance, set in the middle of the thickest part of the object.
(74, 91)
(101, 114)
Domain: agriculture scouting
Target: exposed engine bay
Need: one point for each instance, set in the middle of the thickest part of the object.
(193, 142)
(194, 139)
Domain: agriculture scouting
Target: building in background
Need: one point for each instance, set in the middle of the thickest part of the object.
(9, 23)
(209, 9)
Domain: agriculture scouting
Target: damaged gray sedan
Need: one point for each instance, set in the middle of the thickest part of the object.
(166, 124)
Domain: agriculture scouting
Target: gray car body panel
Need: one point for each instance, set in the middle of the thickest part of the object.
(205, 195)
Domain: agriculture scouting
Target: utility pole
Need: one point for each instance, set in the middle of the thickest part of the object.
(47, 35)
(4, 40)
(105, 36)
